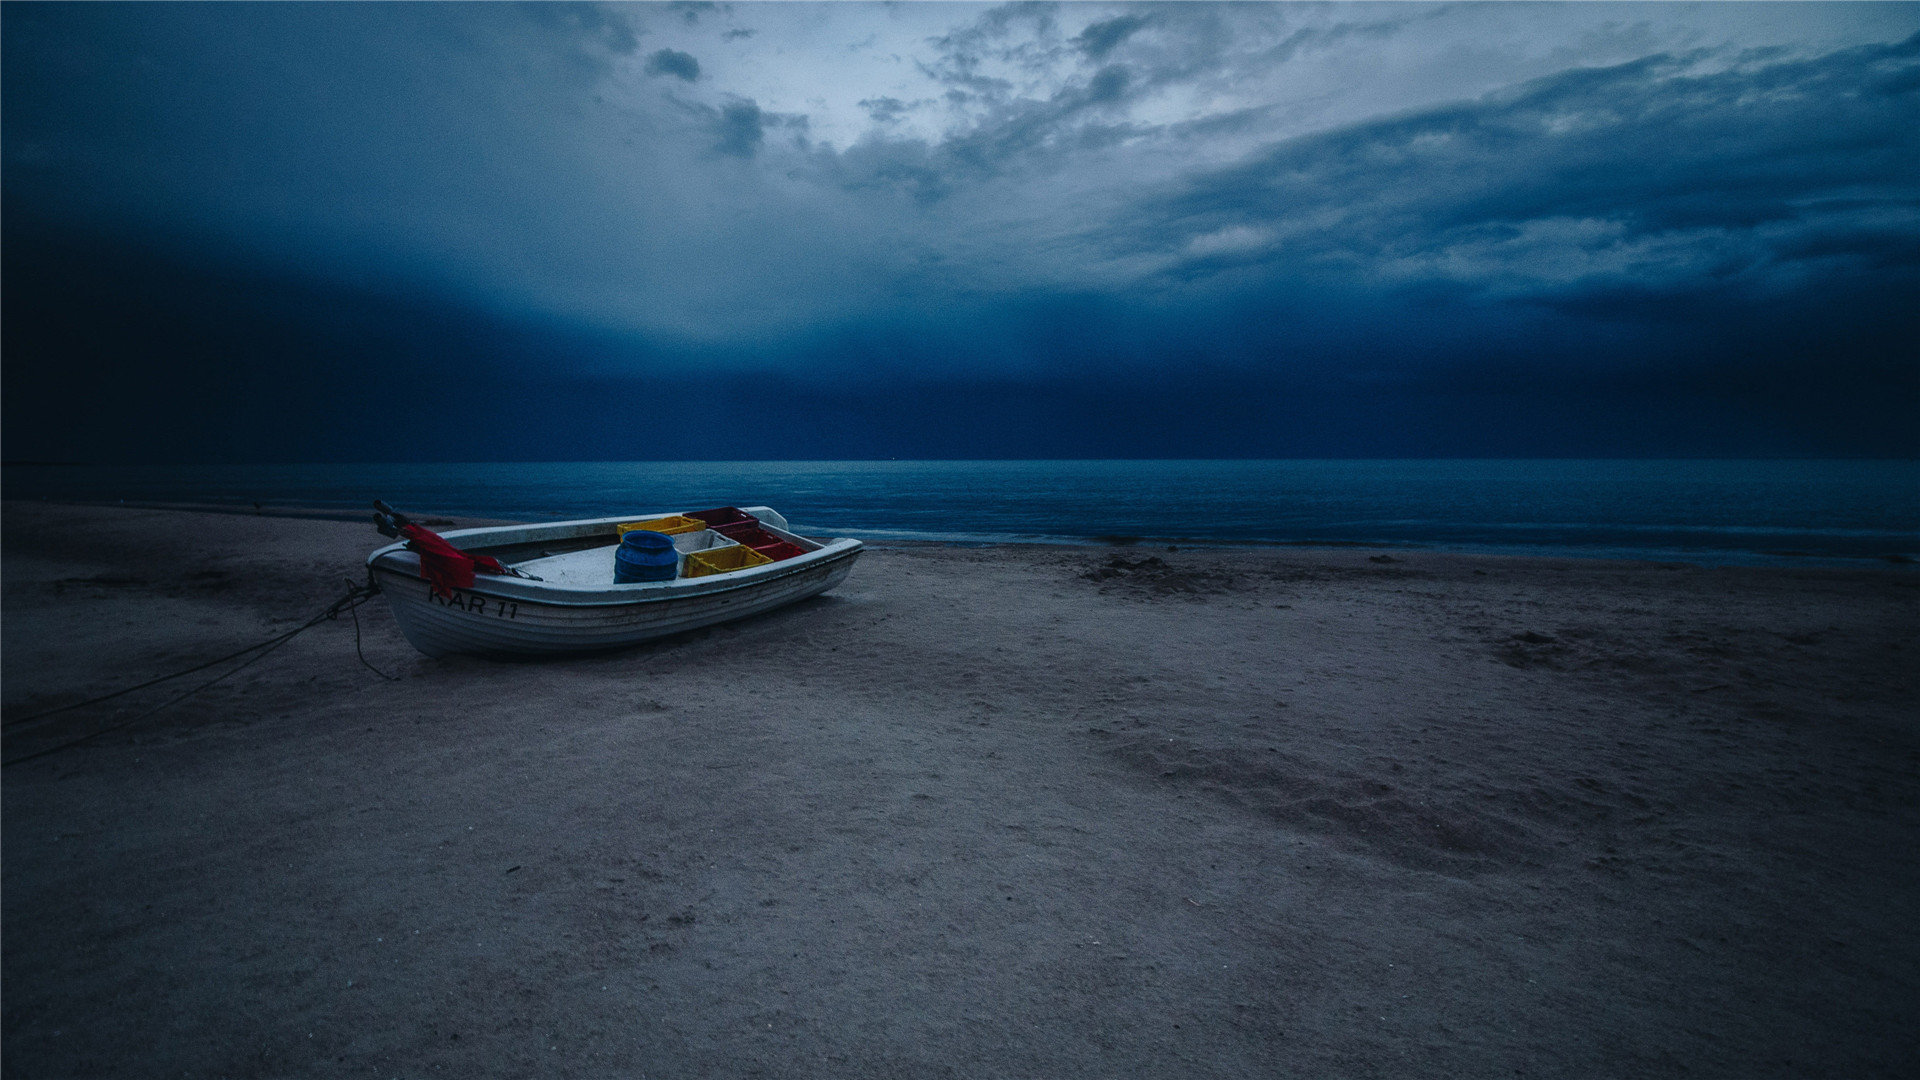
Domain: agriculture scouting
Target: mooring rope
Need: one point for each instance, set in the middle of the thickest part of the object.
(354, 609)
(350, 602)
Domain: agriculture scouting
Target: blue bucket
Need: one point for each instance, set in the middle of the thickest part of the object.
(645, 556)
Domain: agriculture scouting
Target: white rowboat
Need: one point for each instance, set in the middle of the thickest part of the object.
(570, 603)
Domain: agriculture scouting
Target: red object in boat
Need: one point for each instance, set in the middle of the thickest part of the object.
(724, 515)
(442, 564)
(748, 533)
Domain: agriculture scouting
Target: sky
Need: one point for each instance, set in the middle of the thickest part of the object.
(370, 231)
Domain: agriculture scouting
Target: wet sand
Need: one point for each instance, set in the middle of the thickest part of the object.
(999, 812)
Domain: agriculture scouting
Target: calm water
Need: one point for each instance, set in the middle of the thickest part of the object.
(1706, 511)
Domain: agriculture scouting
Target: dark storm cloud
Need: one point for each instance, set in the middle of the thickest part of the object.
(1320, 37)
(691, 11)
(885, 110)
(1108, 85)
(1705, 235)
(1033, 132)
(1099, 39)
(1190, 43)
(672, 62)
(1042, 247)
(1014, 134)
(1024, 35)
(179, 373)
(1019, 138)
(741, 128)
(1655, 174)
(1017, 133)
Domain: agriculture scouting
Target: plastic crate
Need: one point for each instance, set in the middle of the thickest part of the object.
(781, 550)
(723, 560)
(724, 515)
(671, 525)
(749, 534)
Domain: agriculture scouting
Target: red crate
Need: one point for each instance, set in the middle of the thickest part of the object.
(724, 515)
(781, 550)
(748, 533)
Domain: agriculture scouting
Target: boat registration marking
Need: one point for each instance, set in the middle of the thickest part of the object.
(473, 602)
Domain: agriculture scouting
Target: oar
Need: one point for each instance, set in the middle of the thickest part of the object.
(388, 520)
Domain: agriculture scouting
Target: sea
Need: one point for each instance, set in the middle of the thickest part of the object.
(1708, 512)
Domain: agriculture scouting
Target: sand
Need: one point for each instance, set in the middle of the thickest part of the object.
(995, 812)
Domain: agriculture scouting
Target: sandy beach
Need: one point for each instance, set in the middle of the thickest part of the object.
(1042, 812)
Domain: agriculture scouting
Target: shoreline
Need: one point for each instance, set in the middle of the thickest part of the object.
(1760, 559)
(1063, 811)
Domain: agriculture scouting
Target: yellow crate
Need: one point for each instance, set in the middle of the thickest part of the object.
(720, 560)
(672, 524)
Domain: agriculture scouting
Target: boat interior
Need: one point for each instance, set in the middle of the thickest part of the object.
(582, 554)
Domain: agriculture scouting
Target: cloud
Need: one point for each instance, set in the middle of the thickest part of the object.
(1100, 38)
(1011, 41)
(1328, 35)
(690, 11)
(1232, 239)
(1108, 85)
(675, 63)
(1271, 193)
(197, 363)
(1667, 172)
(886, 110)
(741, 128)
(740, 125)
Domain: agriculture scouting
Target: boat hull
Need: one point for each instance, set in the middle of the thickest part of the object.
(482, 622)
